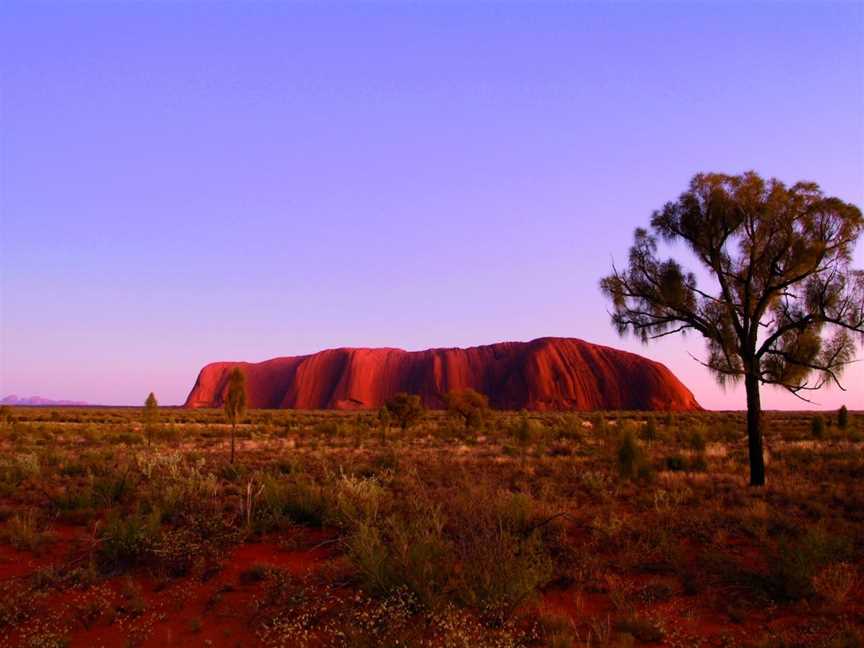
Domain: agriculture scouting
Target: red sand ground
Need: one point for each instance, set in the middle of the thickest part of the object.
(136, 609)
(213, 609)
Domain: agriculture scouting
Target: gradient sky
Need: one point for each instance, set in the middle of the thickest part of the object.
(184, 183)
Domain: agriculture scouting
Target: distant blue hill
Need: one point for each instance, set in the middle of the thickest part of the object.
(37, 401)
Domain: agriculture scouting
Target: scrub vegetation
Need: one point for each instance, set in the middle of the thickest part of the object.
(467, 527)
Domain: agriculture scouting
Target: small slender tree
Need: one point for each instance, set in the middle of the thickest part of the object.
(151, 417)
(649, 431)
(384, 421)
(817, 427)
(843, 417)
(785, 304)
(524, 432)
(235, 402)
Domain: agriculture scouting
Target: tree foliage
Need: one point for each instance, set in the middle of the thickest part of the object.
(785, 293)
(151, 416)
(384, 421)
(843, 417)
(784, 307)
(235, 398)
(235, 401)
(406, 409)
(469, 405)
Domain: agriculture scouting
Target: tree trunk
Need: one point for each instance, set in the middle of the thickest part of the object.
(754, 430)
(233, 425)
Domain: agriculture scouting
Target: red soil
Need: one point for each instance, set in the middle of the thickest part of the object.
(136, 609)
(544, 374)
(213, 608)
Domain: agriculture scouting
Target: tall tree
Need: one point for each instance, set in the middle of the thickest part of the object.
(235, 402)
(784, 305)
(151, 417)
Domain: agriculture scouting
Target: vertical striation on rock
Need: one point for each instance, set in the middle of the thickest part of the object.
(544, 374)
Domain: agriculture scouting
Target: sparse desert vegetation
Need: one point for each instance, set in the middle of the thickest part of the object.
(467, 528)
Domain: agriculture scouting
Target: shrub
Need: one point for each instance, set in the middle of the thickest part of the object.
(112, 489)
(601, 427)
(329, 428)
(640, 629)
(469, 405)
(503, 557)
(24, 532)
(632, 462)
(384, 422)
(698, 463)
(696, 441)
(394, 550)
(126, 541)
(357, 499)
(558, 630)
(299, 500)
(150, 417)
(843, 418)
(834, 582)
(649, 430)
(127, 438)
(407, 409)
(524, 431)
(73, 499)
(165, 433)
(817, 427)
(569, 427)
(405, 550)
(800, 560)
(675, 463)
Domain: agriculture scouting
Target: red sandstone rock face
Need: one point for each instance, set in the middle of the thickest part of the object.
(544, 374)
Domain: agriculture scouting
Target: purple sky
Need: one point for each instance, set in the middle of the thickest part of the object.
(189, 183)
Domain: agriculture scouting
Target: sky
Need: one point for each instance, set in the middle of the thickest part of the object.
(182, 183)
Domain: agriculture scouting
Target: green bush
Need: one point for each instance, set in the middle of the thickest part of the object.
(800, 559)
(569, 426)
(632, 461)
(817, 427)
(524, 431)
(649, 430)
(698, 463)
(601, 427)
(406, 409)
(696, 441)
(128, 540)
(468, 405)
(25, 531)
(641, 629)
(843, 418)
(328, 428)
(675, 463)
(503, 557)
(110, 489)
(404, 550)
(299, 499)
